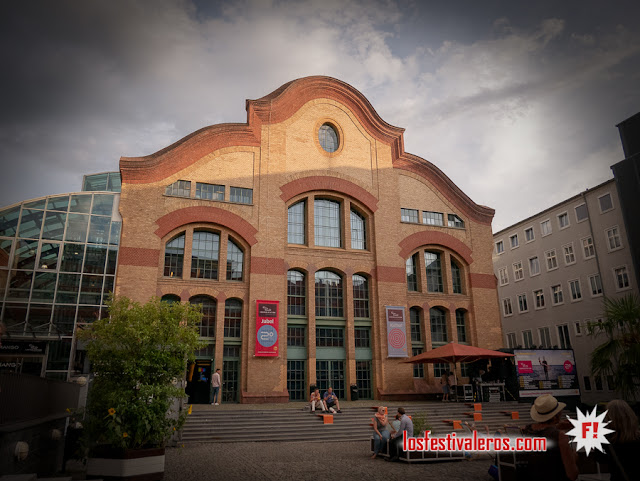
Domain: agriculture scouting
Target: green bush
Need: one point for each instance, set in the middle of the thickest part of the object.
(420, 423)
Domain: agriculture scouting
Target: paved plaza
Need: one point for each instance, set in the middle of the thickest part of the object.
(306, 461)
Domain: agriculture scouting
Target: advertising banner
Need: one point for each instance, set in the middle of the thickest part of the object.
(546, 371)
(267, 313)
(396, 332)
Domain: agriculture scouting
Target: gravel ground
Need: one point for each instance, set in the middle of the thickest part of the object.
(302, 461)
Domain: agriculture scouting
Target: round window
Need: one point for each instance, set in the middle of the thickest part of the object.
(328, 138)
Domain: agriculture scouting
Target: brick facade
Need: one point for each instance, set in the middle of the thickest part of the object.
(278, 156)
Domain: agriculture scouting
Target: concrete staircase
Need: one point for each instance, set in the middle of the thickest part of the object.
(292, 423)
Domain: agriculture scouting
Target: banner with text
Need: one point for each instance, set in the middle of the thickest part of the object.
(546, 371)
(267, 313)
(396, 332)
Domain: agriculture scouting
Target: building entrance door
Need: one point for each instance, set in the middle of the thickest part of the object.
(330, 373)
(199, 381)
(231, 374)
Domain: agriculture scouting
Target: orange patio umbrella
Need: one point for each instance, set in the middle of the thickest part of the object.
(454, 352)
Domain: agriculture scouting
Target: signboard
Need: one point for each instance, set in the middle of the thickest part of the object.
(546, 371)
(12, 348)
(267, 328)
(396, 332)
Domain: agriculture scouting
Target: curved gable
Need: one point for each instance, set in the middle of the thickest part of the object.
(419, 239)
(335, 184)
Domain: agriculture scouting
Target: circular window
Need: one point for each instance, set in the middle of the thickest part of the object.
(328, 138)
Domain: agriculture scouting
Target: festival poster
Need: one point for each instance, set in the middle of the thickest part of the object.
(396, 332)
(267, 313)
(546, 371)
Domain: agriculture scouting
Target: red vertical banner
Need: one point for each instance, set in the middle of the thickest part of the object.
(267, 313)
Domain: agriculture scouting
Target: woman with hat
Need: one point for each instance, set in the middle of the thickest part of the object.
(558, 462)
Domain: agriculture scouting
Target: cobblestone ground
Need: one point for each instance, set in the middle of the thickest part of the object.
(306, 461)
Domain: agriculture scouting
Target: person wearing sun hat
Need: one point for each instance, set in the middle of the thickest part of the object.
(559, 461)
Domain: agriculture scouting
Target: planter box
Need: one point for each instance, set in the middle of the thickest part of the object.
(131, 464)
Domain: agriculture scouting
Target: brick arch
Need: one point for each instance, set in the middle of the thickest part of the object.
(203, 214)
(334, 184)
(411, 243)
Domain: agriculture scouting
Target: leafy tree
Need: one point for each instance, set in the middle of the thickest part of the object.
(619, 355)
(138, 354)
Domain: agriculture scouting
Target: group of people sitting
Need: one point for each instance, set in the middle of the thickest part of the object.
(327, 403)
(385, 430)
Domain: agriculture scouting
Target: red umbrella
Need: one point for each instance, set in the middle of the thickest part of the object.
(453, 352)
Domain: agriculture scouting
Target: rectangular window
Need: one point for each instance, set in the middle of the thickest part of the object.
(296, 220)
(241, 195)
(563, 336)
(518, 271)
(327, 225)
(610, 383)
(581, 213)
(613, 239)
(563, 220)
(439, 368)
(578, 328)
(587, 383)
(527, 337)
(295, 336)
(539, 296)
(606, 204)
(529, 235)
(569, 255)
(576, 291)
(434, 271)
(504, 276)
(598, 382)
(409, 215)
(511, 340)
(418, 369)
(363, 379)
(545, 227)
(461, 326)
(296, 384)
(416, 326)
(522, 303)
(513, 240)
(506, 306)
(534, 266)
(588, 249)
(499, 247)
(621, 278)
(329, 337)
(412, 273)
(557, 294)
(180, 188)
(432, 218)
(552, 261)
(596, 285)
(545, 337)
(362, 337)
(455, 221)
(209, 191)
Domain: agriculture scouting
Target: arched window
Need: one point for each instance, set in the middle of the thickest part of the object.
(296, 294)
(204, 255)
(434, 271)
(235, 259)
(412, 273)
(174, 257)
(416, 325)
(461, 325)
(296, 223)
(456, 277)
(327, 223)
(358, 231)
(208, 306)
(360, 297)
(171, 298)
(438, 325)
(232, 318)
(328, 138)
(329, 299)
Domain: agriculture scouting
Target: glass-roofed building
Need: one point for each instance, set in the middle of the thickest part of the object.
(58, 257)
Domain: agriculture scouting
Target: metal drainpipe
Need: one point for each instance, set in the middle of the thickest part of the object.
(595, 249)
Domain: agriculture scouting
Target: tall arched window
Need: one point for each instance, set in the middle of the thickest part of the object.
(170, 298)
(205, 250)
(360, 297)
(232, 318)
(358, 231)
(434, 271)
(412, 272)
(235, 260)
(456, 277)
(438, 325)
(296, 223)
(208, 306)
(327, 223)
(174, 257)
(461, 325)
(416, 325)
(329, 299)
(296, 294)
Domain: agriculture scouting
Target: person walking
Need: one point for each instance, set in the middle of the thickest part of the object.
(215, 387)
(444, 380)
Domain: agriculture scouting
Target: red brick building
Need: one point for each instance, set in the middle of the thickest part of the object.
(315, 204)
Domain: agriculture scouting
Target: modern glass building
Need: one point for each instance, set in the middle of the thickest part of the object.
(58, 257)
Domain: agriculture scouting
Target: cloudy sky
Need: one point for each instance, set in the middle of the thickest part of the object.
(515, 101)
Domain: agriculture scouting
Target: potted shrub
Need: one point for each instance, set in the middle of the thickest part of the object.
(138, 354)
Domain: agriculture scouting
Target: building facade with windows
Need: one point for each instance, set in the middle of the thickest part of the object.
(553, 271)
(312, 203)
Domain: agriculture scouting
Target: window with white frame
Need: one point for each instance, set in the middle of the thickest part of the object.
(181, 188)
(545, 337)
(513, 240)
(595, 282)
(552, 261)
(545, 227)
(528, 234)
(588, 249)
(613, 239)
(534, 266)
(527, 338)
(518, 271)
(432, 218)
(539, 297)
(563, 336)
(577, 326)
(556, 292)
(499, 247)
(409, 215)
(576, 291)
(511, 340)
(581, 213)
(241, 195)
(563, 220)
(569, 254)
(522, 303)
(606, 204)
(504, 276)
(506, 306)
(621, 278)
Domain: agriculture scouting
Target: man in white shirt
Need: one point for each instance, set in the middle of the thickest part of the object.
(215, 385)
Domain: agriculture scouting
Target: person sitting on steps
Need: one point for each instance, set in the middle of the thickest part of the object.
(316, 401)
(330, 400)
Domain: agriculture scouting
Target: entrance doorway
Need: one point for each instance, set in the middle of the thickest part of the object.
(199, 381)
(331, 374)
(231, 374)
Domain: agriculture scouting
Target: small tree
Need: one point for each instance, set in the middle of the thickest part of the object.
(138, 354)
(619, 355)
